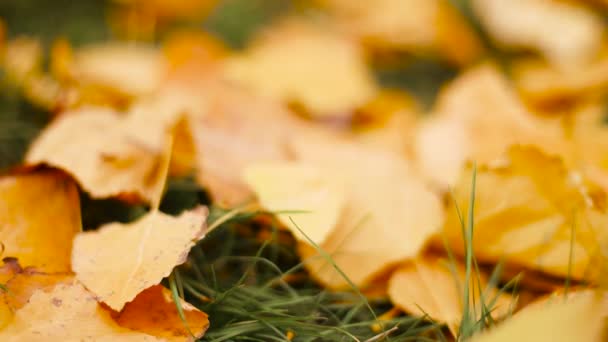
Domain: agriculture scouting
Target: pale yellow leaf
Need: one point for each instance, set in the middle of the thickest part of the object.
(566, 34)
(580, 318)
(129, 69)
(427, 286)
(310, 65)
(118, 261)
(389, 214)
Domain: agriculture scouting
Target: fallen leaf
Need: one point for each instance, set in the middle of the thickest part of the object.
(580, 318)
(232, 133)
(129, 69)
(389, 214)
(39, 216)
(290, 64)
(118, 261)
(433, 25)
(427, 286)
(105, 153)
(304, 192)
(154, 312)
(478, 117)
(566, 34)
(67, 313)
(19, 284)
(543, 216)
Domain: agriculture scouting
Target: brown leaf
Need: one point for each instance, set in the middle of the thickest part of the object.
(118, 261)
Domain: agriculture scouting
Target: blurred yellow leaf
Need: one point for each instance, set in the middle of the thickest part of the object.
(580, 318)
(431, 25)
(291, 63)
(427, 286)
(477, 117)
(296, 187)
(39, 216)
(22, 58)
(128, 69)
(389, 215)
(566, 34)
(118, 261)
(532, 212)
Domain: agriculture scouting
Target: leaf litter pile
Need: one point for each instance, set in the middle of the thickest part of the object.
(304, 171)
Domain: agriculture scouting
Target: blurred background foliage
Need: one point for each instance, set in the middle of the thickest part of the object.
(233, 21)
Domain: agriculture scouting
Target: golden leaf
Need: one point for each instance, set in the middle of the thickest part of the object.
(290, 64)
(477, 117)
(389, 214)
(153, 312)
(118, 261)
(427, 286)
(580, 318)
(128, 69)
(565, 34)
(39, 216)
(108, 155)
(534, 213)
(67, 313)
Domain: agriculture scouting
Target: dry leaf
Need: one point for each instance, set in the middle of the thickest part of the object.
(234, 132)
(303, 192)
(527, 210)
(153, 312)
(427, 286)
(118, 261)
(291, 64)
(567, 35)
(39, 232)
(67, 313)
(580, 318)
(389, 213)
(544, 85)
(107, 154)
(19, 285)
(128, 69)
(408, 24)
(477, 117)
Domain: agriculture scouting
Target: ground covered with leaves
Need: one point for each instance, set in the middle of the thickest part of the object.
(268, 170)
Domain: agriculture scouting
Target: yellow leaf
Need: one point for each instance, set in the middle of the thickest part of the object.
(129, 69)
(580, 318)
(153, 312)
(290, 63)
(389, 214)
(67, 313)
(299, 187)
(19, 285)
(477, 117)
(39, 216)
(427, 286)
(431, 25)
(22, 58)
(107, 154)
(118, 261)
(533, 212)
(565, 34)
